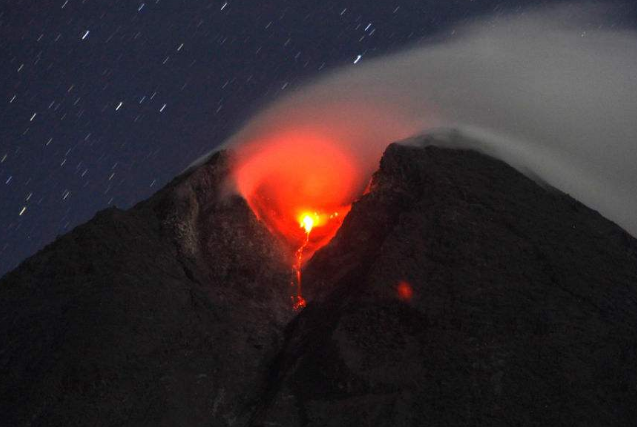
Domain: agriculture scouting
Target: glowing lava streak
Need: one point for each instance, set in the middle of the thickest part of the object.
(289, 175)
(301, 185)
(307, 222)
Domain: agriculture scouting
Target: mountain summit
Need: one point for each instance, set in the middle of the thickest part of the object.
(457, 291)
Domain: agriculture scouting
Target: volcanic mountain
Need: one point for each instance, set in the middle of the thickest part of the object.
(457, 291)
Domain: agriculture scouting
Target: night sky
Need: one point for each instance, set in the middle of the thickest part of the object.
(103, 102)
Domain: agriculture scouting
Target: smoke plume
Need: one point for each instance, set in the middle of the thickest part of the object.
(553, 92)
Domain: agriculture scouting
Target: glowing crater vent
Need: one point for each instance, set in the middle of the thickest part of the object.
(307, 222)
(301, 186)
(298, 178)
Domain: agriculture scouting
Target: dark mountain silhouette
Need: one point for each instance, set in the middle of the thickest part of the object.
(457, 292)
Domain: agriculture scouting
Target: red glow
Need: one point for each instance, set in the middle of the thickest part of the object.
(294, 175)
(312, 152)
(301, 186)
(405, 291)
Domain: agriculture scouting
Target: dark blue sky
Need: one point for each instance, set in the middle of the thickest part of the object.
(103, 102)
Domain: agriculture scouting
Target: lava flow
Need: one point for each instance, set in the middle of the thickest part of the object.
(307, 222)
(301, 186)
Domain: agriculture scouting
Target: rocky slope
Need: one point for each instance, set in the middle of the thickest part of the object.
(521, 313)
(168, 314)
(456, 292)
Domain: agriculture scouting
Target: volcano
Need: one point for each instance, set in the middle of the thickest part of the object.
(456, 291)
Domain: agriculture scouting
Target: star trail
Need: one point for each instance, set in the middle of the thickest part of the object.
(103, 102)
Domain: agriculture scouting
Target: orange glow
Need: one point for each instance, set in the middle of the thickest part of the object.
(297, 178)
(311, 153)
(301, 185)
(405, 291)
(307, 222)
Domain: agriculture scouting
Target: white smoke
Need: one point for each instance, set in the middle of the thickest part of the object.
(552, 92)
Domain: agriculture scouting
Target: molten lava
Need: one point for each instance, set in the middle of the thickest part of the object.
(301, 185)
(294, 175)
(307, 221)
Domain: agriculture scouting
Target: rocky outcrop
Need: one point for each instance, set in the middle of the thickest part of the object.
(167, 314)
(456, 292)
(519, 309)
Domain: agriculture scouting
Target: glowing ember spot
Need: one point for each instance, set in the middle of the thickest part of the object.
(405, 291)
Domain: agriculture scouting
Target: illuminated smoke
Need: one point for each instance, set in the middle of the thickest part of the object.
(555, 100)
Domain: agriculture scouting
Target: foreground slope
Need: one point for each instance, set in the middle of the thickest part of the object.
(522, 308)
(167, 314)
(456, 292)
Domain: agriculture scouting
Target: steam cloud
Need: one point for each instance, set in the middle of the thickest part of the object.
(556, 100)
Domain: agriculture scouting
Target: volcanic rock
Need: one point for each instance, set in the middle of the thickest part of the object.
(167, 314)
(457, 292)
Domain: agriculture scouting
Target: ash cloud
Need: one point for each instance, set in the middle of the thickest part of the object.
(553, 92)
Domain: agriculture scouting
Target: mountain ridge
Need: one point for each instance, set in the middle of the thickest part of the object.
(177, 312)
